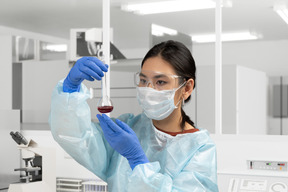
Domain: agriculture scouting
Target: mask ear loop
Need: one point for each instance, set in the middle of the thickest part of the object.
(176, 106)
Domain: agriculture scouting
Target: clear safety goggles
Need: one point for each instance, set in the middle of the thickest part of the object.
(157, 80)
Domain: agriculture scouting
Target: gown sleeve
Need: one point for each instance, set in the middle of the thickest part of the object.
(198, 175)
(71, 127)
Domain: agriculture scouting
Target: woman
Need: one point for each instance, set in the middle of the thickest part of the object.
(158, 150)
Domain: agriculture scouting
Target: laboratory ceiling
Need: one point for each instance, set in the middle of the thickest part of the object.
(57, 17)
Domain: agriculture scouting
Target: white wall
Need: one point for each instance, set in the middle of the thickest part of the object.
(39, 80)
(6, 72)
(205, 101)
(267, 56)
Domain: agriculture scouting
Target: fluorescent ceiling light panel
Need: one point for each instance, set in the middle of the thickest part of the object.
(282, 11)
(168, 6)
(158, 30)
(236, 36)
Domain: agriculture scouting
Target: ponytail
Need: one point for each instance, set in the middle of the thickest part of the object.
(185, 118)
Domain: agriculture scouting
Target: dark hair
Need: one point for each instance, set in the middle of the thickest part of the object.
(181, 59)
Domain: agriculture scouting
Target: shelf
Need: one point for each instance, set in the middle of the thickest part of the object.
(70, 190)
(99, 183)
(70, 180)
(66, 184)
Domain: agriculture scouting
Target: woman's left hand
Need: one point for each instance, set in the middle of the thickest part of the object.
(123, 139)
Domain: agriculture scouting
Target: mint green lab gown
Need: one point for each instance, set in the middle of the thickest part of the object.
(184, 163)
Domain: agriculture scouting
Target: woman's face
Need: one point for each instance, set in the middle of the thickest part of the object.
(159, 65)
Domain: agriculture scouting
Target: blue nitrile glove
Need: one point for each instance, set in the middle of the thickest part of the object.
(123, 139)
(88, 68)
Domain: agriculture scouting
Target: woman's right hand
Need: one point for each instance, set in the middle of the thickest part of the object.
(88, 68)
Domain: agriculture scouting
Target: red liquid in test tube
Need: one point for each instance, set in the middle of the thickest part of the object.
(105, 109)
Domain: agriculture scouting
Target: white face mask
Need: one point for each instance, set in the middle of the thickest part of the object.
(157, 104)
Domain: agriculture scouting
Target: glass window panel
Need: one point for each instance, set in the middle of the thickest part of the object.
(252, 69)
(52, 51)
(23, 48)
